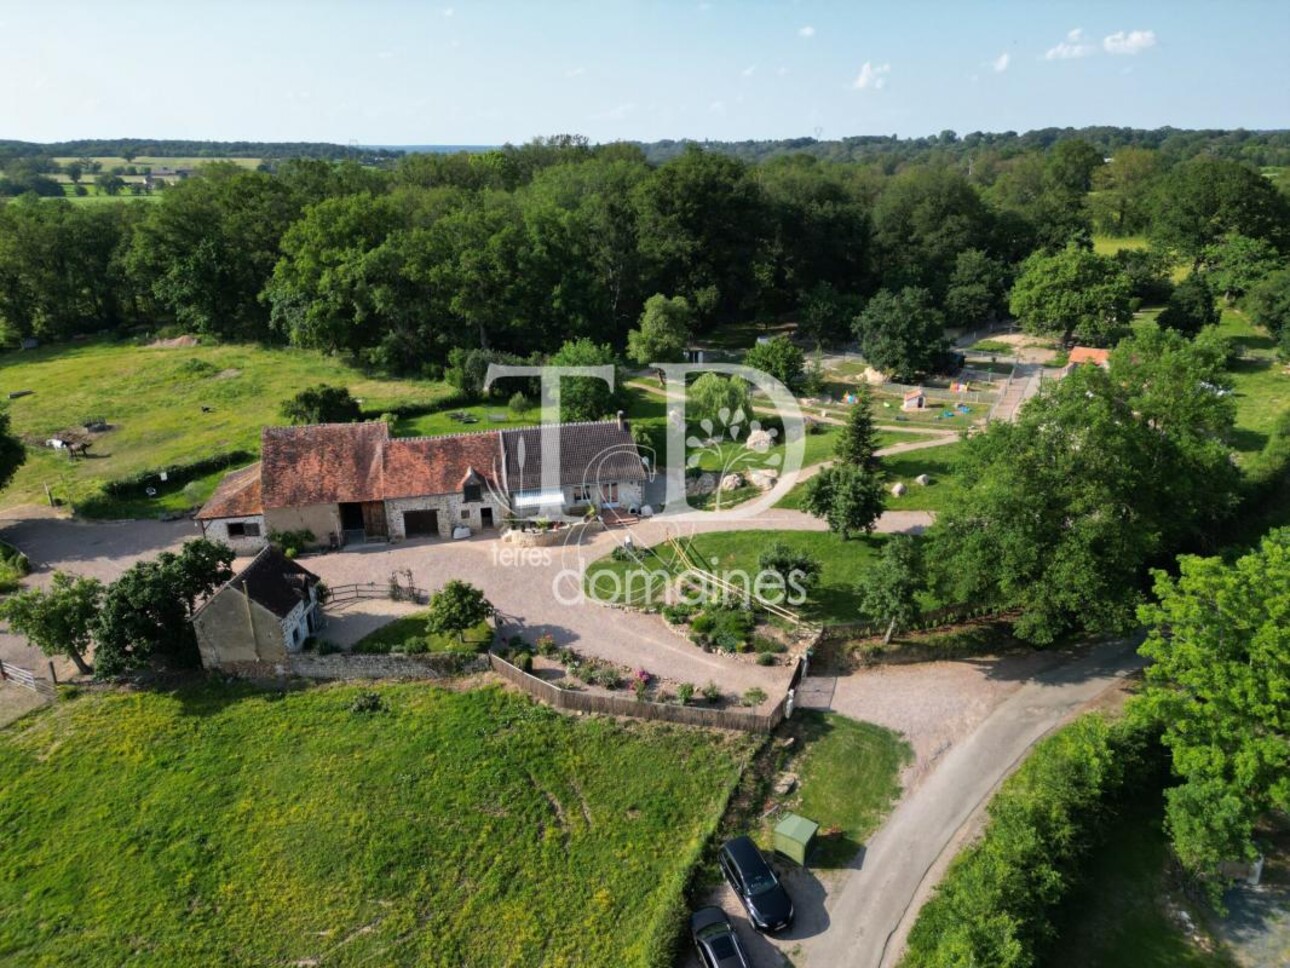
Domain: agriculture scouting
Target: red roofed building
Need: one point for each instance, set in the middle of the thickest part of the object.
(354, 482)
(1088, 355)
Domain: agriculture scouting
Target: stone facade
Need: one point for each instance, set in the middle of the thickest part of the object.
(453, 510)
(231, 628)
(226, 530)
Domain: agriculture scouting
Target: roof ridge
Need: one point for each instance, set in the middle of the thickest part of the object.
(458, 434)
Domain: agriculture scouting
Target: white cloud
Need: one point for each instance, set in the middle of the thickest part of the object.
(1000, 63)
(1131, 42)
(872, 77)
(749, 71)
(808, 31)
(575, 72)
(1075, 45)
(447, 11)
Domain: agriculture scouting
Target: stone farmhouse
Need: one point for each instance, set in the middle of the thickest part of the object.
(264, 612)
(354, 482)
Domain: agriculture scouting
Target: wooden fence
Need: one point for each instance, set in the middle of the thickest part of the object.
(552, 695)
(362, 591)
(27, 679)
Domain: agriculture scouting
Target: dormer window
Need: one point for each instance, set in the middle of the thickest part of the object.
(471, 494)
(472, 486)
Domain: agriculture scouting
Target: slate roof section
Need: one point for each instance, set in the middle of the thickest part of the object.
(422, 466)
(272, 580)
(322, 464)
(589, 452)
(237, 496)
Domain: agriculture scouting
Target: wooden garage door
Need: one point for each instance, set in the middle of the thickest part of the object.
(421, 523)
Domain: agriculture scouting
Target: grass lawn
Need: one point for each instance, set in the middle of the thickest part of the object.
(938, 463)
(153, 398)
(487, 416)
(833, 600)
(848, 779)
(218, 825)
(1260, 383)
(1110, 244)
(1115, 918)
(413, 626)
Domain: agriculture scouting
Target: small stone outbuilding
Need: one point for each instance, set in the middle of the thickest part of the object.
(265, 612)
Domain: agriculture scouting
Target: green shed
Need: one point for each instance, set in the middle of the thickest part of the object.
(793, 837)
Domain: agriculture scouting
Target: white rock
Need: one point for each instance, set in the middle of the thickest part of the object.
(763, 478)
(898, 489)
(732, 482)
(922, 479)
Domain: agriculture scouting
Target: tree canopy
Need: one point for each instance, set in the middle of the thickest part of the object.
(848, 497)
(1072, 294)
(1219, 645)
(901, 334)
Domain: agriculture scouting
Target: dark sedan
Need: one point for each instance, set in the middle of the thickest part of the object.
(759, 890)
(715, 938)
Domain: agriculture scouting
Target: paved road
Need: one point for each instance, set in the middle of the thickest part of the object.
(872, 910)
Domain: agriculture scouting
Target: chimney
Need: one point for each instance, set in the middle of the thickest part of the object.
(622, 423)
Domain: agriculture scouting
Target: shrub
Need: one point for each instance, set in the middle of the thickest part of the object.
(703, 624)
(523, 661)
(765, 658)
(712, 692)
(754, 696)
(621, 554)
(677, 614)
(546, 645)
(416, 645)
(731, 628)
(763, 645)
(685, 693)
(640, 687)
(609, 677)
(367, 702)
(291, 543)
(327, 647)
(519, 404)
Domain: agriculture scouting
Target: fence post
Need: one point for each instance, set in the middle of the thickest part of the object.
(4, 676)
(53, 676)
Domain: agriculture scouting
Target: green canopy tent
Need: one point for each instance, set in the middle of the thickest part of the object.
(793, 836)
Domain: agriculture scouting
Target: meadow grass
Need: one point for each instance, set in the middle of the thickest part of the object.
(938, 463)
(152, 397)
(220, 825)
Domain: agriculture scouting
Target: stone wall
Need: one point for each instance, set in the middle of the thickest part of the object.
(231, 629)
(450, 508)
(217, 530)
(343, 666)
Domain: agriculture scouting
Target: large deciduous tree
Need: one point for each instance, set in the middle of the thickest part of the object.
(1073, 294)
(888, 594)
(322, 404)
(781, 359)
(147, 612)
(1219, 646)
(978, 289)
(1059, 513)
(585, 397)
(1269, 306)
(712, 394)
(59, 621)
(1191, 307)
(663, 333)
(901, 334)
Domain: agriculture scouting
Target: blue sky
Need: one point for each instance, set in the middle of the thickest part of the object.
(461, 72)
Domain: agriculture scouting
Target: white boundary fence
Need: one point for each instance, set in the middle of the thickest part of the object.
(27, 679)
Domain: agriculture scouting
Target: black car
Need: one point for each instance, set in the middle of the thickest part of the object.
(715, 938)
(767, 903)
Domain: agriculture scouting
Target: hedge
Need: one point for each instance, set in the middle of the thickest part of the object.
(136, 485)
(995, 905)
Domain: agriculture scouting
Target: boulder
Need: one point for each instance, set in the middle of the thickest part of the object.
(898, 489)
(704, 483)
(732, 482)
(763, 478)
(922, 479)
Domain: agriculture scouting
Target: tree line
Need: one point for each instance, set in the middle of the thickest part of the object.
(517, 250)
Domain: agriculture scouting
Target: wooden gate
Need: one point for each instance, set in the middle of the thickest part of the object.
(374, 519)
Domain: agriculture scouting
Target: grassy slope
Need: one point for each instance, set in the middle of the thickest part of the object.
(414, 626)
(1115, 919)
(224, 826)
(849, 778)
(1261, 384)
(154, 403)
(936, 462)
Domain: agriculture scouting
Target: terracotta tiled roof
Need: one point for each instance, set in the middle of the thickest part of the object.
(322, 464)
(238, 495)
(1087, 354)
(421, 466)
(589, 452)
